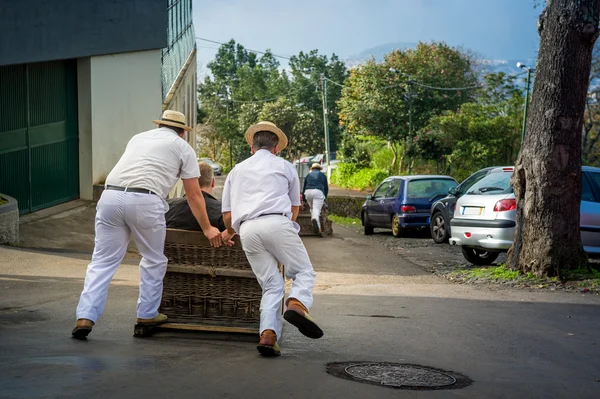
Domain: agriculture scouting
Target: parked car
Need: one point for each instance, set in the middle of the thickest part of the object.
(484, 218)
(217, 170)
(403, 202)
(442, 210)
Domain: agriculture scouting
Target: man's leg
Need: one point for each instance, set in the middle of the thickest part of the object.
(310, 198)
(317, 205)
(112, 237)
(147, 223)
(264, 266)
(285, 244)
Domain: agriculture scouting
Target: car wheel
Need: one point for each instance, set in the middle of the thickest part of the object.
(367, 225)
(396, 228)
(479, 257)
(439, 232)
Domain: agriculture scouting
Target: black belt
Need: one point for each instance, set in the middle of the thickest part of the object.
(130, 189)
(264, 214)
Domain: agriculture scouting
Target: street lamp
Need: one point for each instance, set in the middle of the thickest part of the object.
(529, 71)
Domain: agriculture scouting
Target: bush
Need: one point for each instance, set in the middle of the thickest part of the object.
(343, 173)
(367, 178)
(347, 175)
(382, 159)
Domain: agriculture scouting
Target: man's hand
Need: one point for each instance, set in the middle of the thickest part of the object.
(227, 236)
(214, 236)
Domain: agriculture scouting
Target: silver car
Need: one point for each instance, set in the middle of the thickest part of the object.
(484, 218)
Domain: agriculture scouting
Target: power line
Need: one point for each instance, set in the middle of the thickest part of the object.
(252, 51)
(335, 83)
(310, 83)
(445, 88)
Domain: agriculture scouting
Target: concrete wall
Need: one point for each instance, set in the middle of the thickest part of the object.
(119, 95)
(45, 30)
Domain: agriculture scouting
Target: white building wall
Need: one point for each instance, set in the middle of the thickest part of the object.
(119, 96)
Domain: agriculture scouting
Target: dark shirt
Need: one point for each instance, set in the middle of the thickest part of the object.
(315, 179)
(180, 216)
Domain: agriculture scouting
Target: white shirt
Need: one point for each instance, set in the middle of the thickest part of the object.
(155, 160)
(262, 184)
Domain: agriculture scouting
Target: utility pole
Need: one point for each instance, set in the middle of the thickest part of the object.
(529, 71)
(325, 122)
(410, 109)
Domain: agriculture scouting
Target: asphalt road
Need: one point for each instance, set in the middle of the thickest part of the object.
(373, 304)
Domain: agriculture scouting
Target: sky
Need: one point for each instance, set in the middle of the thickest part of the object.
(500, 29)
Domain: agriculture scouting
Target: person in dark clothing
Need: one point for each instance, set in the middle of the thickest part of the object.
(315, 192)
(180, 216)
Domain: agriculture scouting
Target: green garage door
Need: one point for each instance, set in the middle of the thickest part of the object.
(39, 149)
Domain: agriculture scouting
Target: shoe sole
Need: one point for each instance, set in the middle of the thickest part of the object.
(315, 226)
(81, 333)
(268, 351)
(306, 326)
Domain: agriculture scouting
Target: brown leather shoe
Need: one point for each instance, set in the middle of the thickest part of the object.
(297, 314)
(83, 327)
(268, 346)
(160, 319)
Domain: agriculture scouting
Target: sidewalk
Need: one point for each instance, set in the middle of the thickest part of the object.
(372, 305)
(346, 192)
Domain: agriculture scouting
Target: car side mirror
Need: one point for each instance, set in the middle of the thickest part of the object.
(369, 197)
(453, 191)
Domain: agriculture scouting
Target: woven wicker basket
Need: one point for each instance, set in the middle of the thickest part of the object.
(209, 286)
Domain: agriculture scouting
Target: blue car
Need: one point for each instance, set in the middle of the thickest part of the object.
(401, 203)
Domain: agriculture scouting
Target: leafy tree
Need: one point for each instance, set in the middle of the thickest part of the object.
(307, 89)
(245, 88)
(378, 101)
(479, 134)
(591, 125)
(297, 122)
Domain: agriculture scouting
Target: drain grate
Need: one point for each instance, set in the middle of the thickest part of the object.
(399, 376)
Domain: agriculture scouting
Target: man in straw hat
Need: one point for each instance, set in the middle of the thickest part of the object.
(261, 200)
(133, 203)
(315, 191)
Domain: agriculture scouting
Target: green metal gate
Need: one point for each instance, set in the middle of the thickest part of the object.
(39, 147)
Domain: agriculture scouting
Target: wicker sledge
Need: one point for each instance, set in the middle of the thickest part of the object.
(208, 289)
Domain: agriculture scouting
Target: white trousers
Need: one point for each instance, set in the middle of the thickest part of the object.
(267, 240)
(118, 216)
(315, 199)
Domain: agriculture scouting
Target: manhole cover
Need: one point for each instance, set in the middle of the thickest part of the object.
(400, 376)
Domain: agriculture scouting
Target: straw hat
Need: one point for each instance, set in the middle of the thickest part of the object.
(267, 127)
(316, 166)
(173, 118)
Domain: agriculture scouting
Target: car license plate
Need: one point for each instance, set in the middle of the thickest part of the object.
(472, 210)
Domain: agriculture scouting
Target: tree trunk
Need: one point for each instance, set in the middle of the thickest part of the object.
(394, 149)
(547, 178)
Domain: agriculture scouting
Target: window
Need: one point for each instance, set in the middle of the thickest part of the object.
(381, 190)
(394, 188)
(470, 181)
(494, 183)
(428, 188)
(587, 193)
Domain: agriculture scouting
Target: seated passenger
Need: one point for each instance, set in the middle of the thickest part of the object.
(180, 216)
